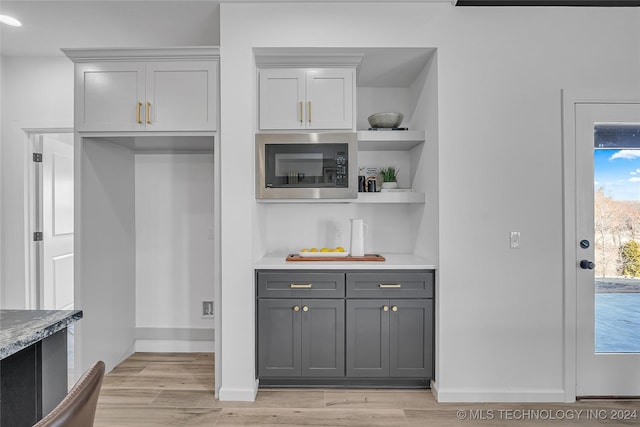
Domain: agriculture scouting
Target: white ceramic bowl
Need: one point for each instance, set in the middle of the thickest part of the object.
(385, 120)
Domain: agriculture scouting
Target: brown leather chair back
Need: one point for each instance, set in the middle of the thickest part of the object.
(78, 408)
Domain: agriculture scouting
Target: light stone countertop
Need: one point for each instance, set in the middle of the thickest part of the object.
(21, 328)
(393, 262)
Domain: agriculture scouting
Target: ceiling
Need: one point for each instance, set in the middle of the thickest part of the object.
(50, 25)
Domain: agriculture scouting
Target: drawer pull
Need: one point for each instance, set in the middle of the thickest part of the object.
(296, 308)
(300, 285)
(394, 308)
(389, 285)
(305, 308)
(385, 308)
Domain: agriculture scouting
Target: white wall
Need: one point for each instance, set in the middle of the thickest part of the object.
(2, 291)
(36, 92)
(174, 241)
(500, 71)
(290, 227)
(105, 268)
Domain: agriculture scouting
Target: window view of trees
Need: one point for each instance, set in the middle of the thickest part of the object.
(617, 236)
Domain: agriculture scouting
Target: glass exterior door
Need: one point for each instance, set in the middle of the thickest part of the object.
(608, 230)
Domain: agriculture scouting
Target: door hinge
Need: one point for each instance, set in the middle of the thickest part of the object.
(37, 236)
(37, 157)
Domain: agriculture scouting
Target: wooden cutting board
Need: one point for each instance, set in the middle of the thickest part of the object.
(366, 257)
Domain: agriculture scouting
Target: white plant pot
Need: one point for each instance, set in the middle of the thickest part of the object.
(390, 185)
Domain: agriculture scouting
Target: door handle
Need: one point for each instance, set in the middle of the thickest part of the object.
(585, 264)
(148, 113)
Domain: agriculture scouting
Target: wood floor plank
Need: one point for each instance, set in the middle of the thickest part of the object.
(136, 416)
(201, 382)
(264, 399)
(127, 370)
(164, 357)
(176, 389)
(205, 359)
(127, 397)
(155, 369)
(390, 399)
(311, 417)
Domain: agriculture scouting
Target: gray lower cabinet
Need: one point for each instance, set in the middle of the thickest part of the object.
(390, 338)
(301, 337)
(348, 328)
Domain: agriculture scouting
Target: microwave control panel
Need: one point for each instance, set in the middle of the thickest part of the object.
(341, 169)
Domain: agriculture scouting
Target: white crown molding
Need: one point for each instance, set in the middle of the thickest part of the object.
(142, 54)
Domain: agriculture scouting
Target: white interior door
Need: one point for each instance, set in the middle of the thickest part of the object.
(57, 204)
(607, 227)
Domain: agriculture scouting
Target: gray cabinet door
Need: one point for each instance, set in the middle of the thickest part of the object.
(367, 338)
(322, 338)
(411, 338)
(278, 338)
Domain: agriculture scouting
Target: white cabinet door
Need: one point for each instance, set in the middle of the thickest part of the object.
(109, 97)
(282, 98)
(181, 96)
(314, 98)
(330, 98)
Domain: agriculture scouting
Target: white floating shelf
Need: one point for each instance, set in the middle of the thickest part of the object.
(391, 197)
(389, 140)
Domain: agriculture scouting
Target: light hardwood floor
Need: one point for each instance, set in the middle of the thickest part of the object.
(176, 389)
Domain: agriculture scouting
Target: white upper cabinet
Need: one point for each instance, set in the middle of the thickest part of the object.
(109, 97)
(282, 98)
(181, 95)
(125, 90)
(306, 98)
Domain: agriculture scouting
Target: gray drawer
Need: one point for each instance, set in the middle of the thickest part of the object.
(300, 284)
(391, 284)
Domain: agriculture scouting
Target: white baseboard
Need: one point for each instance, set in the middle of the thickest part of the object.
(496, 396)
(174, 346)
(238, 394)
(174, 340)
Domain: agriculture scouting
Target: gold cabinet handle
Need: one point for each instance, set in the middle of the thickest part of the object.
(385, 308)
(301, 116)
(389, 285)
(148, 113)
(300, 286)
(305, 308)
(394, 308)
(296, 308)
(309, 111)
(138, 119)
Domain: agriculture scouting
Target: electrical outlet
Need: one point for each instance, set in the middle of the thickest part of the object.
(207, 309)
(515, 239)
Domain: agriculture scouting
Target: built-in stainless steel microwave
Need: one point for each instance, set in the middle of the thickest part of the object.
(306, 166)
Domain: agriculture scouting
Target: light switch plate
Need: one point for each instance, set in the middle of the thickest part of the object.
(515, 239)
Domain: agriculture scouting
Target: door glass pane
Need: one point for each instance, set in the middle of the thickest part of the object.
(617, 237)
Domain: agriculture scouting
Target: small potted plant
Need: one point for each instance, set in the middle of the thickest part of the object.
(389, 177)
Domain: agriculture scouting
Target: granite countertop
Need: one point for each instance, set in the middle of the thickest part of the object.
(21, 328)
(393, 262)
